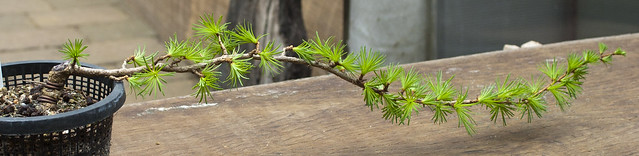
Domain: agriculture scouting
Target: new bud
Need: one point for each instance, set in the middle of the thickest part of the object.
(620, 52)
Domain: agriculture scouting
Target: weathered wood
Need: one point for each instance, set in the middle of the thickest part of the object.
(325, 115)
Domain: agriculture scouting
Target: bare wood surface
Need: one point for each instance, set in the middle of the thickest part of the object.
(326, 115)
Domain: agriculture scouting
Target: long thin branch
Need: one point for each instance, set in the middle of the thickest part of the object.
(117, 74)
(357, 81)
(218, 60)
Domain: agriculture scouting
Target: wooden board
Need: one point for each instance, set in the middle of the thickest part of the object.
(326, 116)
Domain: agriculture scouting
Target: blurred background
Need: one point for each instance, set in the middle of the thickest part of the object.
(405, 30)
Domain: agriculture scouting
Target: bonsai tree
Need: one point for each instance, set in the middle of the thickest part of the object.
(213, 44)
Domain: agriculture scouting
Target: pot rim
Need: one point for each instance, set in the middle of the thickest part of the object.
(67, 120)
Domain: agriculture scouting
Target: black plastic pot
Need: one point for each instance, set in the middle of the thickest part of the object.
(85, 131)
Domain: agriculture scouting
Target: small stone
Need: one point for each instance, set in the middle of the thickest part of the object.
(510, 47)
(531, 44)
(23, 98)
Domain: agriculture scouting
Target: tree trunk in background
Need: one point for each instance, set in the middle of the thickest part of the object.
(282, 21)
(401, 30)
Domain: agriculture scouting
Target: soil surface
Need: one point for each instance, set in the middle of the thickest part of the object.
(20, 101)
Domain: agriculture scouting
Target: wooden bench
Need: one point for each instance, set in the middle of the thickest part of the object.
(326, 116)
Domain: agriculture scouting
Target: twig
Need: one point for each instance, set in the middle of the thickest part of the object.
(256, 50)
(219, 40)
(126, 61)
(197, 72)
(161, 59)
(119, 78)
(288, 48)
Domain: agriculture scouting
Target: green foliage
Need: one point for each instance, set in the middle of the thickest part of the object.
(440, 111)
(590, 56)
(534, 85)
(408, 105)
(410, 80)
(502, 99)
(388, 76)
(574, 62)
(140, 58)
(498, 107)
(348, 63)
(238, 70)
(196, 53)
(334, 54)
(136, 84)
(305, 52)
(602, 48)
(534, 104)
(330, 52)
(552, 70)
(244, 34)
(487, 95)
(392, 110)
(209, 28)
(189, 50)
(325, 48)
(151, 80)
(208, 81)
(606, 59)
(463, 114)
(267, 62)
(175, 47)
(371, 97)
(560, 95)
(509, 89)
(620, 52)
(442, 89)
(73, 51)
(368, 61)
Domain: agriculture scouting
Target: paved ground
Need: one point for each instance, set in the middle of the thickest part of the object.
(36, 29)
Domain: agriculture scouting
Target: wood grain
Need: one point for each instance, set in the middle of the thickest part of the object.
(326, 116)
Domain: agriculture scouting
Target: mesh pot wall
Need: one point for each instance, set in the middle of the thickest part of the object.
(85, 131)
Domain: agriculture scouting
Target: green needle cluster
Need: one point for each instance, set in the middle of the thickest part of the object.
(73, 51)
(267, 62)
(150, 81)
(208, 82)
